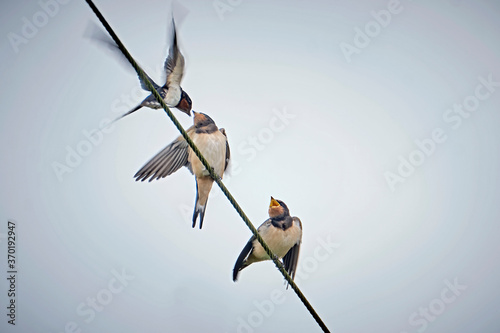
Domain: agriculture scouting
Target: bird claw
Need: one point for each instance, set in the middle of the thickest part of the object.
(216, 177)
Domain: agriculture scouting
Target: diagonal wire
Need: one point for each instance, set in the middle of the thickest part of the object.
(217, 179)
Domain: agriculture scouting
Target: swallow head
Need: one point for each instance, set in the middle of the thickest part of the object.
(185, 103)
(203, 123)
(278, 209)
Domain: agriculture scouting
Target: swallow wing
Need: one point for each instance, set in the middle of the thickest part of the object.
(144, 86)
(228, 151)
(170, 159)
(97, 34)
(291, 259)
(174, 64)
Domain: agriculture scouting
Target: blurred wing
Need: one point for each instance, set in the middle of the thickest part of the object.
(228, 151)
(97, 34)
(170, 159)
(174, 64)
(143, 84)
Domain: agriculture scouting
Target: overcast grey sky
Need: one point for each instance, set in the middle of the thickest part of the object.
(375, 121)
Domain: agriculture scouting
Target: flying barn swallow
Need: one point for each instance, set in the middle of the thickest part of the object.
(212, 143)
(171, 91)
(282, 233)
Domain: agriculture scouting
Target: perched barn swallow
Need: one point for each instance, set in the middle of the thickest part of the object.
(212, 143)
(171, 91)
(282, 233)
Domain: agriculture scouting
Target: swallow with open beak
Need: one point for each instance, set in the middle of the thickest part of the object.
(282, 233)
(171, 91)
(212, 143)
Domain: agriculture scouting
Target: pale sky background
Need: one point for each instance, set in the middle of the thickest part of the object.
(393, 252)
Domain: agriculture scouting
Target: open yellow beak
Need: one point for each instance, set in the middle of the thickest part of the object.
(274, 203)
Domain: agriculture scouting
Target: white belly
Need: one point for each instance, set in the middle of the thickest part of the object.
(279, 241)
(173, 96)
(213, 148)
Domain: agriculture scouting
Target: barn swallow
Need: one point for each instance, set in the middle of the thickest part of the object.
(171, 91)
(212, 143)
(282, 233)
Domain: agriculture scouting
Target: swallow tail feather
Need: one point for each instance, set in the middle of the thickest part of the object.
(203, 187)
(129, 112)
(241, 262)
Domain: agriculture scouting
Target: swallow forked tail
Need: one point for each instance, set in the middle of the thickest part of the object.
(241, 262)
(203, 186)
(129, 112)
(198, 209)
